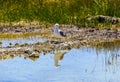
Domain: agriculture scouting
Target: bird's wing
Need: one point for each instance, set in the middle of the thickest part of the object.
(62, 33)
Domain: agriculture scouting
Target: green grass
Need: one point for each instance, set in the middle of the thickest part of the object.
(61, 11)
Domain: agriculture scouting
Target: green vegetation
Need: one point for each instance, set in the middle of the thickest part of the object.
(108, 46)
(61, 11)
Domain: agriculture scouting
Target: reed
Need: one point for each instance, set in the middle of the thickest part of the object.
(61, 11)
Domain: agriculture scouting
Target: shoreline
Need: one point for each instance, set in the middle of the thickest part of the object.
(75, 38)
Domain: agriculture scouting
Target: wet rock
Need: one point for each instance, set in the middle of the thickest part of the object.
(55, 42)
(12, 55)
(34, 54)
(36, 50)
(17, 30)
(4, 30)
(91, 30)
(16, 44)
(10, 45)
(23, 45)
(28, 51)
(29, 29)
(38, 43)
(34, 57)
(0, 44)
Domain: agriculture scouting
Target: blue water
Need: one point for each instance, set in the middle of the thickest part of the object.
(29, 40)
(78, 65)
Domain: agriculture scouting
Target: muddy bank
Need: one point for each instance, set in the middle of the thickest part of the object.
(33, 51)
(18, 29)
(76, 37)
(35, 26)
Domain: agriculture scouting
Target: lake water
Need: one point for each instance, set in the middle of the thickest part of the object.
(20, 40)
(86, 64)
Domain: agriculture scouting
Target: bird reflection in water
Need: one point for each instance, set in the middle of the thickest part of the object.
(57, 57)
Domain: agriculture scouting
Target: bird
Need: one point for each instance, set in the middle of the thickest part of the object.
(57, 31)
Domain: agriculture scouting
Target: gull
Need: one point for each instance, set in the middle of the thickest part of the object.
(58, 32)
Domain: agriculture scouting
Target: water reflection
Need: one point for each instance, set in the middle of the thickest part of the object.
(10, 40)
(57, 57)
(99, 63)
(32, 57)
(108, 46)
(11, 56)
(111, 51)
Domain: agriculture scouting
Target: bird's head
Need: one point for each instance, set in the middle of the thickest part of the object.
(56, 27)
(56, 24)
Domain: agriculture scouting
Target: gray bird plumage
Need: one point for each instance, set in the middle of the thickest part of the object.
(58, 32)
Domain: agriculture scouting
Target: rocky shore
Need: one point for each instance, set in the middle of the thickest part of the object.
(75, 38)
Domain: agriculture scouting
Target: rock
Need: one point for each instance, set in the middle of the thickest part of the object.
(34, 54)
(102, 19)
(16, 44)
(37, 50)
(91, 30)
(28, 52)
(55, 42)
(114, 20)
(0, 44)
